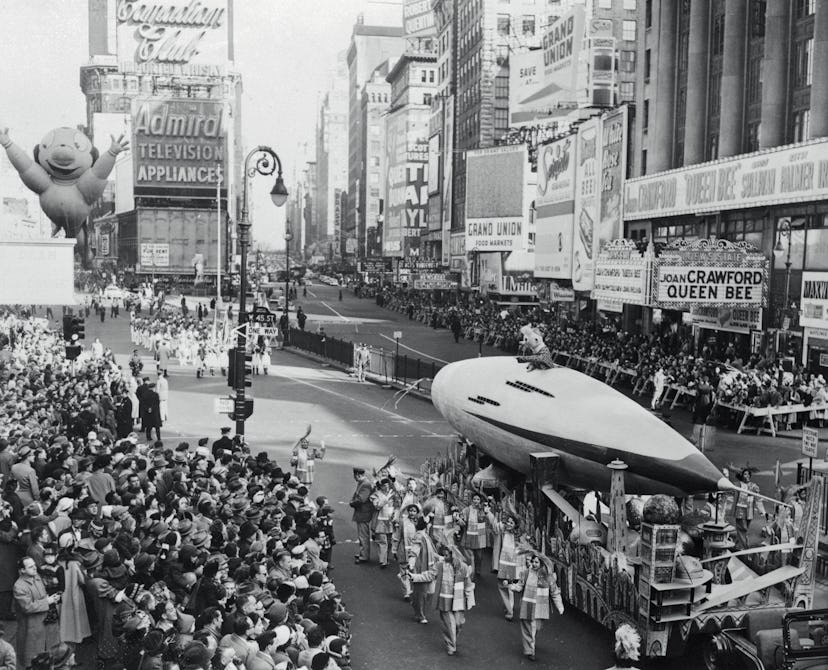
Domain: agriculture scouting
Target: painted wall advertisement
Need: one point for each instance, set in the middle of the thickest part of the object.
(495, 198)
(418, 18)
(814, 300)
(775, 176)
(155, 255)
(613, 172)
(623, 274)
(174, 32)
(554, 207)
(544, 83)
(406, 196)
(586, 207)
(178, 144)
(711, 272)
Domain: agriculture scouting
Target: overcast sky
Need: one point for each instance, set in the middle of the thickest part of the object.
(285, 50)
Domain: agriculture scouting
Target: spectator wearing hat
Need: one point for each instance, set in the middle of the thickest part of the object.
(224, 443)
(315, 640)
(362, 515)
(8, 559)
(153, 648)
(28, 489)
(31, 604)
(100, 483)
(105, 590)
(150, 412)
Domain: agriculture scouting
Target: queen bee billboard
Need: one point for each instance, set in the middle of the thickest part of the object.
(178, 146)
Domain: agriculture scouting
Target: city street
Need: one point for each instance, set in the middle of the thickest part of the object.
(361, 425)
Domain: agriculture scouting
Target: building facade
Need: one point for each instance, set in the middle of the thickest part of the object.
(370, 46)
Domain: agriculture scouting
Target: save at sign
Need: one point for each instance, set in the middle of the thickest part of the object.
(810, 442)
(685, 284)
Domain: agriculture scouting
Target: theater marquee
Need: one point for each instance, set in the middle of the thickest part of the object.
(711, 272)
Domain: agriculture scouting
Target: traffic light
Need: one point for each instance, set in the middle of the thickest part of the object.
(244, 368)
(231, 368)
(79, 327)
(67, 328)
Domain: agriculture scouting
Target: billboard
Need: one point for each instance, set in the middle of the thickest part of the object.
(814, 300)
(495, 198)
(544, 83)
(434, 164)
(418, 18)
(554, 207)
(613, 174)
(772, 177)
(169, 238)
(406, 195)
(448, 157)
(586, 207)
(178, 145)
(173, 32)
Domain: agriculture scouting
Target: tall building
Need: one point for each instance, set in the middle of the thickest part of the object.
(486, 32)
(376, 98)
(162, 214)
(413, 82)
(332, 150)
(370, 46)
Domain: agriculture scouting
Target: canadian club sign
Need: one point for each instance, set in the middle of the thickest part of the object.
(711, 272)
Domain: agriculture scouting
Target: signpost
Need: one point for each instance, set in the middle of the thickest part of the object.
(223, 405)
(397, 338)
(263, 316)
(810, 445)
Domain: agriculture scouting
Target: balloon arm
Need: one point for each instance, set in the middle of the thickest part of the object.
(103, 166)
(33, 176)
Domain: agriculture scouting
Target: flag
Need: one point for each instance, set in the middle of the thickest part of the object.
(778, 474)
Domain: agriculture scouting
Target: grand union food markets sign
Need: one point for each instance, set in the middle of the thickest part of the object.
(711, 272)
(797, 173)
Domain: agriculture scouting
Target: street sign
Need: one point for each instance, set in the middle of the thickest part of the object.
(397, 334)
(223, 405)
(263, 316)
(810, 442)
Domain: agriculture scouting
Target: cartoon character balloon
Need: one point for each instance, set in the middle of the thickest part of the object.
(66, 173)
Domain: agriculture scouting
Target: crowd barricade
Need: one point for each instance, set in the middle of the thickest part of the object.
(341, 351)
(610, 372)
(679, 392)
(768, 414)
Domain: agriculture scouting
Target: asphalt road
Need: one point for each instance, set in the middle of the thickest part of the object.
(361, 424)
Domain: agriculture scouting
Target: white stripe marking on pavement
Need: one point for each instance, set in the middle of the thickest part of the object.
(344, 318)
(421, 353)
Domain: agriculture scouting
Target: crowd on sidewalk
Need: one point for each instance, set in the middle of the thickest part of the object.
(141, 554)
(663, 357)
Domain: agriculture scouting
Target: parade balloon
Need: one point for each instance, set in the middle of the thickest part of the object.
(67, 173)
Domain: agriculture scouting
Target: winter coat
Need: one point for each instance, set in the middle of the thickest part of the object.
(8, 659)
(32, 606)
(361, 503)
(74, 618)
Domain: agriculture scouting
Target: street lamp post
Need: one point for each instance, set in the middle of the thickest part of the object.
(784, 230)
(267, 162)
(288, 238)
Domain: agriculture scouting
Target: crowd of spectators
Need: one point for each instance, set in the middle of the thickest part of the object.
(752, 380)
(138, 555)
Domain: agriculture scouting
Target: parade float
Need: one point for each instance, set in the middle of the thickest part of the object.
(661, 555)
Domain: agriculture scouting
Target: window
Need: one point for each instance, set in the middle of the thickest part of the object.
(431, 76)
(426, 98)
(715, 93)
(628, 61)
(528, 24)
(801, 125)
(648, 14)
(504, 24)
(645, 116)
(816, 249)
(424, 76)
(647, 62)
(805, 8)
(629, 5)
(754, 80)
(373, 178)
(375, 129)
(803, 62)
(604, 4)
(644, 162)
(713, 147)
(502, 88)
(628, 31)
(375, 161)
(626, 90)
(752, 137)
(501, 119)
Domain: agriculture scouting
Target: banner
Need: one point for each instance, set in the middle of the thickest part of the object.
(178, 144)
(495, 198)
(771, 177)
(586, 206)
(173, 32)
(448, 157)
(554, 207)
(544, 83)
(711, 272)
(613, 173)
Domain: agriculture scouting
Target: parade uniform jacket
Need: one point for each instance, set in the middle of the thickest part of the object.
(538, 590)
(436, 507)
(744, 502)
(405, 534)
(32, 606)
(383, 503)
(304, 463)
(504, 551)
(456, 586)
(361, 503)
(422, 557)
(473, 521)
